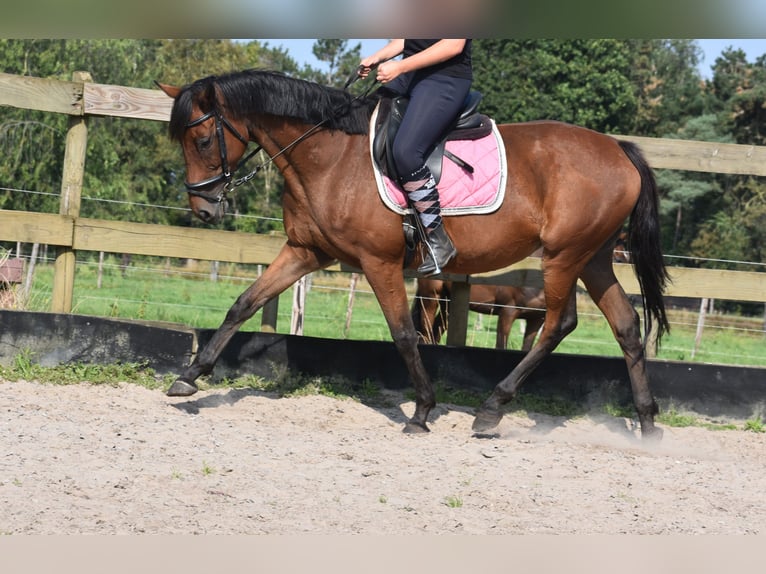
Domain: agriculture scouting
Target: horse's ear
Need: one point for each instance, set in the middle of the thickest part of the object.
(171, 91)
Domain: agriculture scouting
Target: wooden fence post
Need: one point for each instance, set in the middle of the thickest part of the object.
(458, 313)
(299, 306)
(27, 287)
(350, 307)
(651, 342)
(269, 315)
(71, 194)
(700, 325)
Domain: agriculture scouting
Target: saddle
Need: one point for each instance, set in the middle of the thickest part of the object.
(469, 125)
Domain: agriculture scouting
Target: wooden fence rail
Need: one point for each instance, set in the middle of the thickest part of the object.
(67, 231)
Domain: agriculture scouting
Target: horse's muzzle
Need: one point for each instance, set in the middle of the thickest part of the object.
(208, 211)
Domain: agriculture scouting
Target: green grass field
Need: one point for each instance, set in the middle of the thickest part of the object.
(186, 295)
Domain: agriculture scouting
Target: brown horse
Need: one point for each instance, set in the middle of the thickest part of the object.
(431, 309)
(569, 190)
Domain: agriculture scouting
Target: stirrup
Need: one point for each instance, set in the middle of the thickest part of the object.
(439, 252)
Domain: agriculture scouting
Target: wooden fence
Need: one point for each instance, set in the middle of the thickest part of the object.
(67, 231)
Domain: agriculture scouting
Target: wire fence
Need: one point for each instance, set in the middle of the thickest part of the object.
(754, 265)
(481, 328)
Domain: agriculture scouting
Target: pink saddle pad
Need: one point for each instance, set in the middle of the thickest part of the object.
(460, 192)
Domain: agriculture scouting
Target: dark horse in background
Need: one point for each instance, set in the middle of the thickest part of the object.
(569, 191)
(431, 305)
(432, 302)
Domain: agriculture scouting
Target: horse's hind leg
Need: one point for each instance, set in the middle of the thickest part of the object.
(608, 294)
(290, 265)
(560, 320)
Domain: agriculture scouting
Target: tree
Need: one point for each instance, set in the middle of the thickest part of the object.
(585, 82)
(31, 142)
(731, 224)
(182, 61)
(730, 72)
(667, 83)
(341, 61)
(130, 165)
(740, 92)
(682, 191)
(31, 149)
(720, 238)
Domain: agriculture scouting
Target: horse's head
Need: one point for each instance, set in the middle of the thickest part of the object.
(211, 145)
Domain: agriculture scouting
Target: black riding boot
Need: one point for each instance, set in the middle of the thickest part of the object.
(438, 251)
(423, 196)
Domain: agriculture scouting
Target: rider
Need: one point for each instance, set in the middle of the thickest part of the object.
(437, 76)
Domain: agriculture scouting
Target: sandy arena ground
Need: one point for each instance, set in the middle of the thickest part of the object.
(123, 459)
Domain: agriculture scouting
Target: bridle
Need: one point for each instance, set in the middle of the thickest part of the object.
(226, 175)
(221, 123)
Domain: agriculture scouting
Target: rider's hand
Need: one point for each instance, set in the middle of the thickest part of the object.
(389, 71)
(365, 67)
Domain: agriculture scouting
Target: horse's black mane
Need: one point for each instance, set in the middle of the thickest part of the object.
(267, 92)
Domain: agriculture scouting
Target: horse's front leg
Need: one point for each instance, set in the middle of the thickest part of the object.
(291, 264)
(387, 282)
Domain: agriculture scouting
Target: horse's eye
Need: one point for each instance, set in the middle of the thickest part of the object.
(204, 143)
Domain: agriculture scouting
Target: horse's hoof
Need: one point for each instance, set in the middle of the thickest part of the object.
(182, 389)
(652, 435)
(486, 420)
(415, 428)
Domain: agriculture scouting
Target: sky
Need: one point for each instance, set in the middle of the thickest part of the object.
(712, 48)
(300, 49)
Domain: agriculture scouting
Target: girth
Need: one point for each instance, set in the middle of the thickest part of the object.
(470, 125)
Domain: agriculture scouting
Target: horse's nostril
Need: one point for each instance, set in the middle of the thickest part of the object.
(205, 215)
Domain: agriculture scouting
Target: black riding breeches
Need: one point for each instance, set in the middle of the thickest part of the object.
(435, 102)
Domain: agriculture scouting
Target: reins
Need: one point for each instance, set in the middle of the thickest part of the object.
(222, 123)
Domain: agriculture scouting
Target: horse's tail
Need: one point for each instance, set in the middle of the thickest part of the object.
(644, 244)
